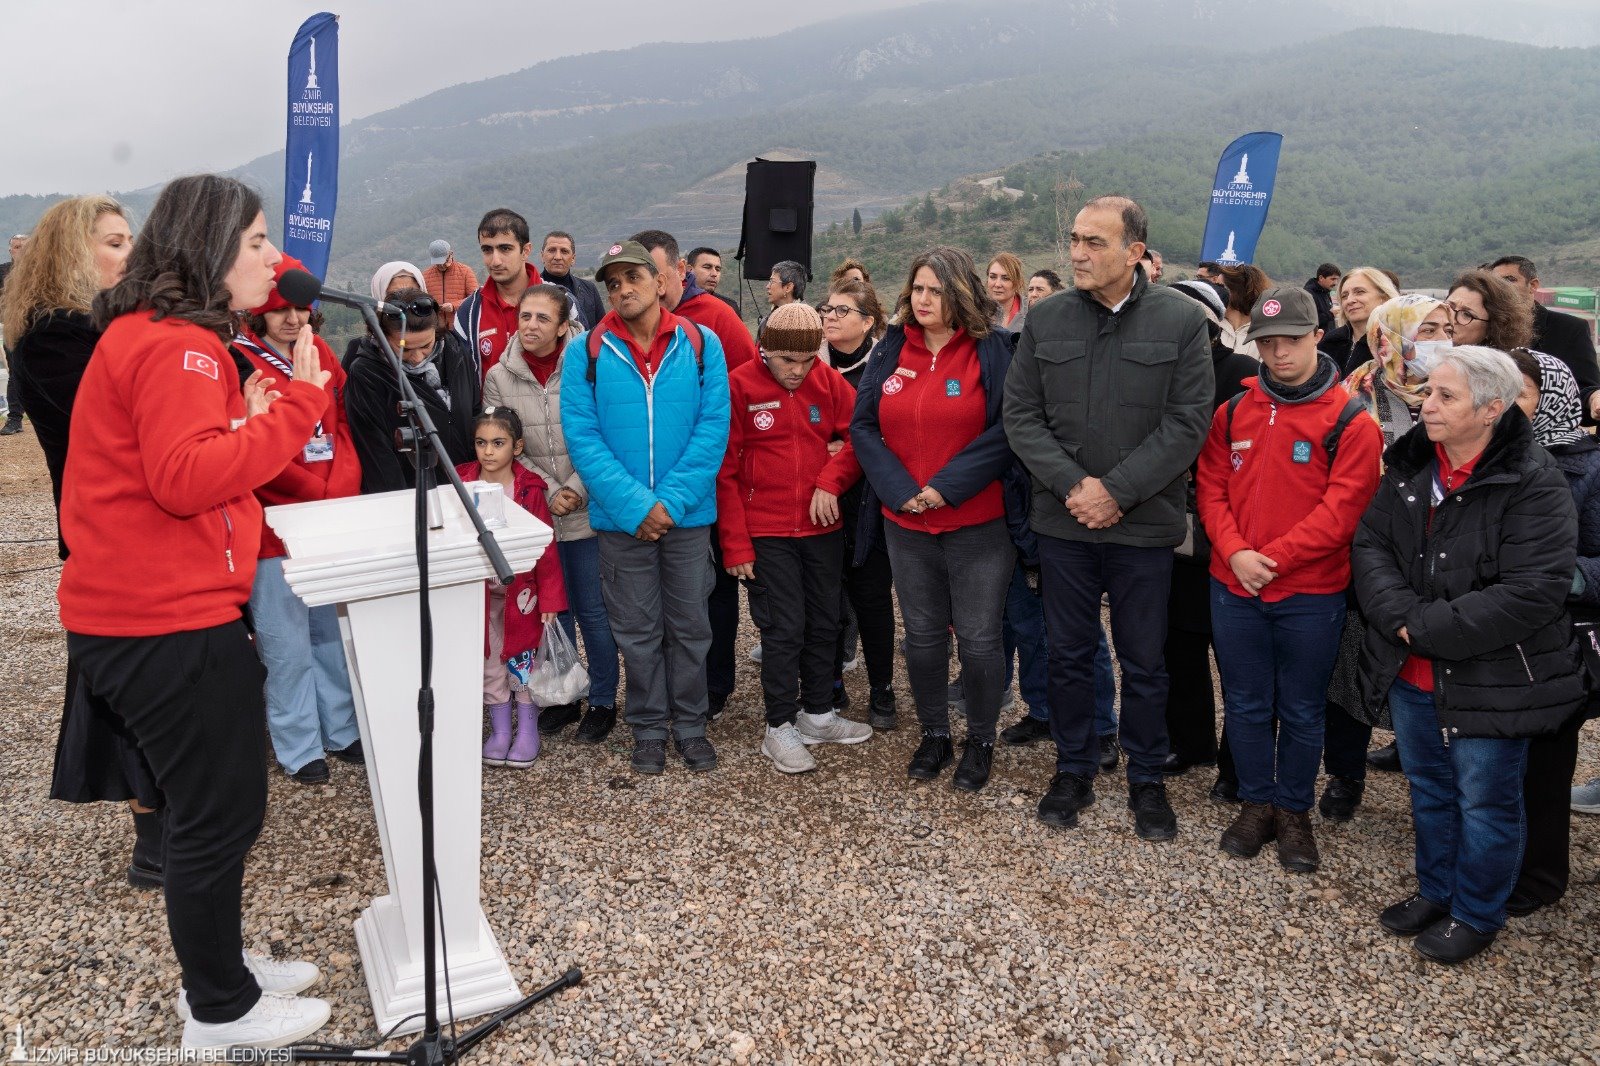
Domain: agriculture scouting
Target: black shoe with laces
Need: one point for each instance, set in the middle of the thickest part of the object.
(932, 756)
(697, 752)
(1224, 791)
(1067, 795)
(596, 725)
(1027, 730)
(1152, 814)
(1110, 752)
(1411, 915)
(314, 772)
(649, 757)
(1386, 758)
(13, 425)
(977, 759)
(1340, 798)
(881, 715)
(354, 754)
(553, 720)
(1451, 942)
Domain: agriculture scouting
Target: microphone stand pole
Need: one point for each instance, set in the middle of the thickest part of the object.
(433, 1048)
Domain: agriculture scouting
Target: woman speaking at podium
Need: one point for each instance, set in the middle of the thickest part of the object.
(163, 528)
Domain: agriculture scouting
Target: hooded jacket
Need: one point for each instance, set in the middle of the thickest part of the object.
(1268, 484)
(1480, 588)
(370, 396)
(485, 341)
(1124, 397)
(698, 305)
(544, 447)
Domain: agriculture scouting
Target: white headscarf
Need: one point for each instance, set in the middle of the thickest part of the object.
(386, 274)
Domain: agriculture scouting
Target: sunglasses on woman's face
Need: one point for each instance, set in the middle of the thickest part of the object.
(419, 313)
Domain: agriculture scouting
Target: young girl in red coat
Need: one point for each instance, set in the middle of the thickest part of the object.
(518, 614)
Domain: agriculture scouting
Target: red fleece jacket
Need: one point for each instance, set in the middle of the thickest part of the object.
(778, 456)
(1267, 486)
(541, 590)
(497, 321)
(737, 346)
(158, 503)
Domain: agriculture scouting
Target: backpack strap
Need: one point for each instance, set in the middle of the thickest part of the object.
(1233, 405)
(1330, 443)
(697, 343)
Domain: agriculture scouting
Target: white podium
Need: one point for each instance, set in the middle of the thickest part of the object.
(359, 553)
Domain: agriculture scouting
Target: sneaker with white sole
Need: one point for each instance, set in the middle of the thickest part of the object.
(788, 753)
(831, 729)
(274, 978)
(1586, 798)
(275, 1021)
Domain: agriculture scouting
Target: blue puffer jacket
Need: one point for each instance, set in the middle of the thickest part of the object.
(662, 441)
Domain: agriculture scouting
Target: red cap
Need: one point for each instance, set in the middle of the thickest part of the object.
(275, 302)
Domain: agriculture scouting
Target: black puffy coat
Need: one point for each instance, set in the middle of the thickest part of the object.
(370, 396)
(1481, 590)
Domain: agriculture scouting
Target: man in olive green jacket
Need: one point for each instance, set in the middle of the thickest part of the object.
(1107, 403)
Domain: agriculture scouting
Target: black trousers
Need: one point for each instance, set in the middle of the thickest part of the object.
(14, 395)
(870, 588)
(723, 607)
(1547, 804)
(194, 703)
(1191, 702)
(794, 601)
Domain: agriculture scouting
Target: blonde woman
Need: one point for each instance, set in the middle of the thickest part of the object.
(1005, 287)
(1361, 291)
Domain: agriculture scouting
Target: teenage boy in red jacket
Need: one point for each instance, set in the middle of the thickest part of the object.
(789, 459)
(1288, 469)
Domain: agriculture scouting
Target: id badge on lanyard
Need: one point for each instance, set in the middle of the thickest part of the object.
(319, 449)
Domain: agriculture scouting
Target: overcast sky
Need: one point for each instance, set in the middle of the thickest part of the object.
(111, 95)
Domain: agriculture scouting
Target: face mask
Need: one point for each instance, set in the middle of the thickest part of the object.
(1425, 355)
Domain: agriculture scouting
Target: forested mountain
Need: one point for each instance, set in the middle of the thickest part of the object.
(1411, 147)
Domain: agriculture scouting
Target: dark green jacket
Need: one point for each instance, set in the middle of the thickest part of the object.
(1123, 397)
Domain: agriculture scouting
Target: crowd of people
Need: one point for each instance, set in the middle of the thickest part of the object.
(1374, 508)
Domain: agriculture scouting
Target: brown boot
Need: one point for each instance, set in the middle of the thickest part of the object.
(1297, 846)
(1250, 831)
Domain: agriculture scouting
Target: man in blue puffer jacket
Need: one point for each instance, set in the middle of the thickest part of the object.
(650, 464)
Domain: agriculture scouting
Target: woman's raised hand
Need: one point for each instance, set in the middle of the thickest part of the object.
(307, 365)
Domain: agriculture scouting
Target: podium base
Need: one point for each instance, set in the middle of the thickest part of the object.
(480, 981)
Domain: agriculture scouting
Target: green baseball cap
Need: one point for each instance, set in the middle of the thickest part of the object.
(1283, 311)
(630, 252)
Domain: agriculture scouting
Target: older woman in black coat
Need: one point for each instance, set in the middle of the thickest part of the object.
(1463, 564)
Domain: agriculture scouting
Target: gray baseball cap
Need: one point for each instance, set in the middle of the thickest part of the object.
(1283, 311)
(438, 252)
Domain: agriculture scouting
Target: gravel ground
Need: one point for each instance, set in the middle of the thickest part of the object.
(843, 916)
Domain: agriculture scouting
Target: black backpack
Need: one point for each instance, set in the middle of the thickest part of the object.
(697, 341)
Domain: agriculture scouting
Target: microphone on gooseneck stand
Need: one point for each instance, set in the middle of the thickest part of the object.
(303, 289)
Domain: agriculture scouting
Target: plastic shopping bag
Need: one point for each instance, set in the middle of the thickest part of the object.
(557, 677)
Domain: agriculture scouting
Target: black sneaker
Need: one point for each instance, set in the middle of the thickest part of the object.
(1027, 730)
(932, 755)
(1110, 752)
(13, 425)
(649, 757)
(1224, 791)
(1411, 915)
(1451, 942)
(596, 725)
(716, 703)
(354, 754)
(1067, 795)
(314, 772)
(977, 759)
(882, 714)
(553, 720)
(697, 752)
(1152, 814)
(1386, 758)
(1340, 798)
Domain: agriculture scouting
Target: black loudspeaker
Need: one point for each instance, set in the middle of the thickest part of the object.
(777, 216)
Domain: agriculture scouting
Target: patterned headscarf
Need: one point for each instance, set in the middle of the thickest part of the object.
(1391, 331)
(1559, 416)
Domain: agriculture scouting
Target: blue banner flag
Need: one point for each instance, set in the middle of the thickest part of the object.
(311, 150)
(1240, 196)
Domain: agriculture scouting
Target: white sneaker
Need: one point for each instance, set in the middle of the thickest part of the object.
(275, 1021)
(831, 729)
(274, 977)
(1586, 798)
(755, 652)
(786, 750)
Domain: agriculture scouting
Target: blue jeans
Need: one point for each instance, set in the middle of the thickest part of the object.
(309, 707)
(1466, 809)
(1276, 658)
(1139, 580)
(580, 566)
(1027, 643)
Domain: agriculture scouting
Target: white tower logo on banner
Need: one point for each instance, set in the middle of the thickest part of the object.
(1228, 254)
(305, 196)
(1243, 177)
(311, 78)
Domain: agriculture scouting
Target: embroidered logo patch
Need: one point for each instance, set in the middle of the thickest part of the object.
(615, 249)
(893, 385)
(527, 600)
(485, 345)
(200, 363)
(952, 387)
(770, 405)
(816, 415)
(764, 420)
(1271, 309)
(1236, 459)
(1302, 451)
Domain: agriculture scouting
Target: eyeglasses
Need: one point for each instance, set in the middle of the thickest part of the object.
(840, 311)
(418, 313)
(1464, 317)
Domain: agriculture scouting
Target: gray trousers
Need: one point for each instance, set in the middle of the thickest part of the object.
(655, 593)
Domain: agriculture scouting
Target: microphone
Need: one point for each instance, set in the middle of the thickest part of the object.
(303, 289)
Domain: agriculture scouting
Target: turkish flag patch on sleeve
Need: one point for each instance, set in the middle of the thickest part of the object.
(200, 363)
